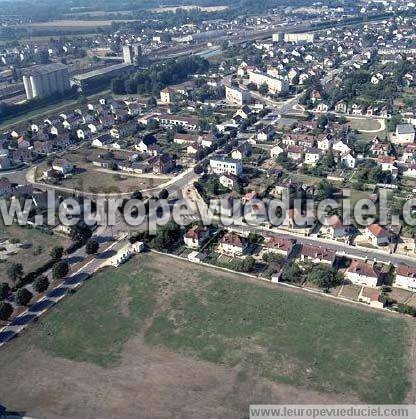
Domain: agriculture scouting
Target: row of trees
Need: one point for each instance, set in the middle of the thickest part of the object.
(159, 76)
(81, 233)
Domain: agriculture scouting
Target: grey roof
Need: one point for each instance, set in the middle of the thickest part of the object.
(405, 129)
(102, 71)
(38, 70)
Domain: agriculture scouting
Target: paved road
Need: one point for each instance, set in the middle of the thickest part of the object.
(340, 248)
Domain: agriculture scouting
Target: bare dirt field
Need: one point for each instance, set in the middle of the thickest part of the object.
(161, 338)
(148, 383)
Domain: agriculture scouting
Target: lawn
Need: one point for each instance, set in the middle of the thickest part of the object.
(35, 254)
(365, 124)
(262, 330)
(100, 181)
(94, 324)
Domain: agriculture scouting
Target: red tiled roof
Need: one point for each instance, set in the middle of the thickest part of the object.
(405, 270)
(233, 240)
(362, 268)
(377, 230)
(280, 243)
(317, 252)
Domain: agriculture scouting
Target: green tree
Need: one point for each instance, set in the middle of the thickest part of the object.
(41, 283)
(23, 296)
(292, 273)
(137, 195)
(264, 89)
(60, 269)
(15, 271)
(324, 190)
(80, 232)
(164, 194)
(6, 310)
(271, 257)
(56, 252)
(4, 290)
(92, 246)
(324, 276)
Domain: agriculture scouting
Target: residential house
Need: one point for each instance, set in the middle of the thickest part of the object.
(405, 277)
(275, 151)
(348, 161)
(378, 235)
(145, 143)
(62, 166)
(195, 236)
(185, 138)
(317, 254)
(405, 133)
(103, 140)
(221, 165)
(280, 245)
(295, 153)
(362, 273)
(162, 164)
(312, 156)
(232, 244)
(341, 107)
(336, 228)
(228, 181)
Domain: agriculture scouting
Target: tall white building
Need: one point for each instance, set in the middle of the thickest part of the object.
(236, 95)
(128, 54)
(45, 80)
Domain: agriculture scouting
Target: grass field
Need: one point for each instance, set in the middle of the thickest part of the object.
(37, 251)
(262, 331)
(365, 124)
(98, 181)
(65, 24)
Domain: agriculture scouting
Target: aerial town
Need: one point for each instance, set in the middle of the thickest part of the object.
(211, 107)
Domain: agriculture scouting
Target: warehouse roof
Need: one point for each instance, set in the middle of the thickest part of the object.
(38, 70)
(102, 71)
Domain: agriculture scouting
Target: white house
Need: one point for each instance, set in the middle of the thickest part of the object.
(220, 165)
(62, 166)
(312, 156)
(341, 147)
(405, 133)
(362, 273)
(232, 244)
(195, 236)
(275, 151)
(349, 161)
(405, 277)
(378, 235)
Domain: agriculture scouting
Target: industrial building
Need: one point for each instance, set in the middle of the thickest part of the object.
(128, 54)
(45, 80)
(96, 78)
(299, 37)
(132, 54)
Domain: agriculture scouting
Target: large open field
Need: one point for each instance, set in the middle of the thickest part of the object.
(65, 24)
(168, 339)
